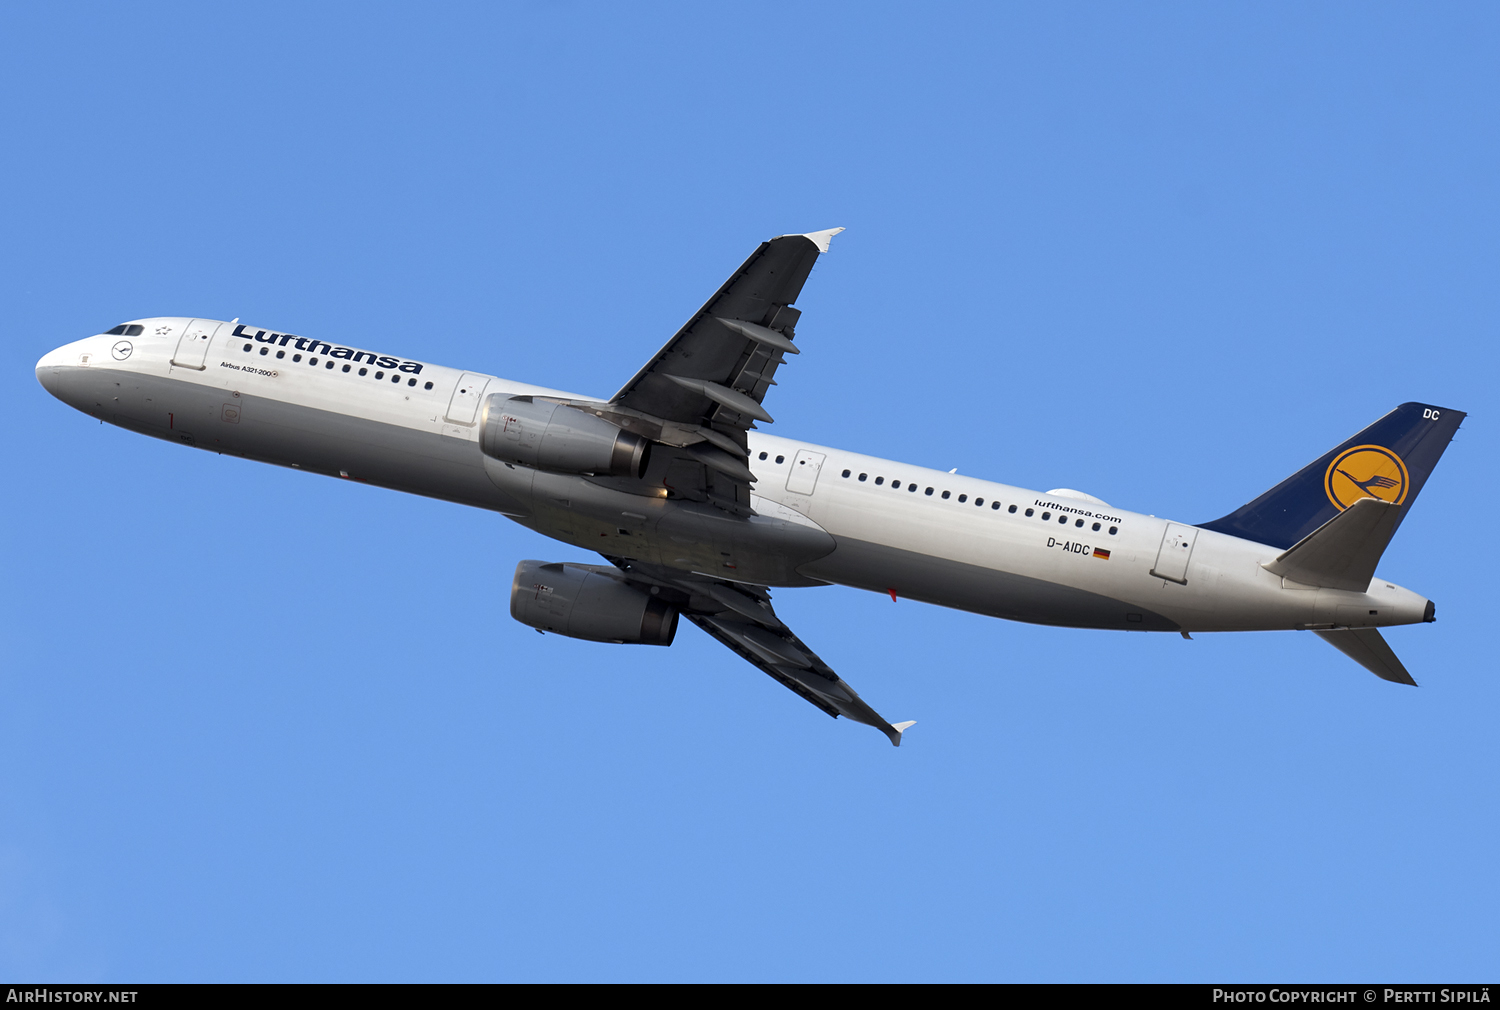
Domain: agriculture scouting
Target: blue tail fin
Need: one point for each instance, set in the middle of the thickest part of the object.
(1389, 460)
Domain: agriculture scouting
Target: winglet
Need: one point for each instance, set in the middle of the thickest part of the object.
(894, 731)
(822, 238)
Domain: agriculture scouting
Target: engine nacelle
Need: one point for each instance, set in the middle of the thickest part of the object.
(589, 602)
(552, 436)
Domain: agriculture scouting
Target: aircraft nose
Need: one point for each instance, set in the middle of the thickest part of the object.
(49, 368)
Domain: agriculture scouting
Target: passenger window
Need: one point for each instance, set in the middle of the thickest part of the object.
(364, 371)
(1012, 510)
(1063, 520)
(880, 480)
(1113, 530)
(780, 459)
(762, 455)
(1096, 527)
(929, 491)
(425, 386)
(329, 364)
(896, 484)
(1079, 524)
(247, 348)
(863, 476)
(281, 354)
(996, 506)
(396, 378)
(846, 473)
(409, 382)
(963, 497)
(264, 351)
(346, 368)
(978, 501)
(911, 487)
(379, 375)
(947, 494)
(313, 362)
(296, 357)
(1031, 512)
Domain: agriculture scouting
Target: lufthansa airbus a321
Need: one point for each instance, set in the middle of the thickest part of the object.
(699, 514)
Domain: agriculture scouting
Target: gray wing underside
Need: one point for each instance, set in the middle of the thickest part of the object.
(741, 618)
(759, 293)
(700, 394)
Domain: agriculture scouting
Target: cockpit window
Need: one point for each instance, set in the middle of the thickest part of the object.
(126, 330)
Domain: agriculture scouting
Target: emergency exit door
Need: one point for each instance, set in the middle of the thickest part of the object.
(467, 394)
(805, 470)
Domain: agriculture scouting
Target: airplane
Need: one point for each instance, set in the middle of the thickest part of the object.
(700, 514)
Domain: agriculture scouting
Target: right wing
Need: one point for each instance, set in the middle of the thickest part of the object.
(740, 617)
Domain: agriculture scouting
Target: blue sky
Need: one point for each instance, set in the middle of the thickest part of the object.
(258, 725)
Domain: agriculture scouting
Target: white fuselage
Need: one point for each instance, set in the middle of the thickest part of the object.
(1046, 558)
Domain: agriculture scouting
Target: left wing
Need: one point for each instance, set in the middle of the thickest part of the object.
(717, 368)
(703, 390)
(741, 617)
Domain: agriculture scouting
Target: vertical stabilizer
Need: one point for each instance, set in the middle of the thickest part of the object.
(1390, 461)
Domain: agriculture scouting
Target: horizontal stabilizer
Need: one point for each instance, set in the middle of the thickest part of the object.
(1369, 650)
(1343, 552)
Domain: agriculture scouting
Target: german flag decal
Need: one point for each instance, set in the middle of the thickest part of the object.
(1101, 553)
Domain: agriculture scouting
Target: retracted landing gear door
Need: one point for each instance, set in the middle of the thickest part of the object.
(192, 346)
(1176, 550)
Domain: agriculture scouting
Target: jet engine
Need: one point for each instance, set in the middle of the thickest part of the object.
(554, 436)
(589, 602)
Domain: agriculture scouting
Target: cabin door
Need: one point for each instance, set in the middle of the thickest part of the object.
(192, 346)
(1176, 549)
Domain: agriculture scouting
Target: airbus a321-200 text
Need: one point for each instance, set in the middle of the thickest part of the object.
(699, 514)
